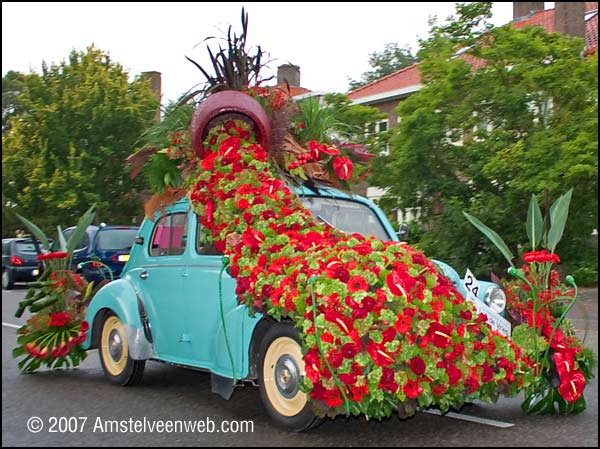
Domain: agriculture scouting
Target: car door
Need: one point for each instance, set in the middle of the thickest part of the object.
(201, 292)
(159, 279)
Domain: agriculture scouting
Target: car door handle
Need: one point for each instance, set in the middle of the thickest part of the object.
(144, 275)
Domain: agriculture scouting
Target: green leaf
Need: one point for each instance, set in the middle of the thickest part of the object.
(85, 220)
(37, 232)
(535, 222)
(61, 239)
(558, 219)
(493, 236)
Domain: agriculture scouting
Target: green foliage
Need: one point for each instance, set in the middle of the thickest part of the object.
(481, 140)
(334, 118)
(386, 62)
(12, 86)
(66, 148)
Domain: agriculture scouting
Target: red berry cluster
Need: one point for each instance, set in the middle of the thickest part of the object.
(301, 159)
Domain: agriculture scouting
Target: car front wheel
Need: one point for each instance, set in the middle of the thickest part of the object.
(114, 354)
(280, 370)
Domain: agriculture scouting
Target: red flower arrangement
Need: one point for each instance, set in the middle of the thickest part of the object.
(53, 335)
(382, 327)
(537, 304)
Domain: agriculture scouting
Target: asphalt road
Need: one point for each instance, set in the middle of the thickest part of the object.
(78, 407)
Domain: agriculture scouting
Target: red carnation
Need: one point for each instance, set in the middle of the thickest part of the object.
(412, 389)
(357, 283)
(417, 365)
(403, 324)
(454, 374)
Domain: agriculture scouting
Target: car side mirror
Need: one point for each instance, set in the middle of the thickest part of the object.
(139, 240)
(403, 232)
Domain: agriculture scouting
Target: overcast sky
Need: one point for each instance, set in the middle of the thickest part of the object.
(330, 42)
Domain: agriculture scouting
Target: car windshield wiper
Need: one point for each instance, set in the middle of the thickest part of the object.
(319, 217)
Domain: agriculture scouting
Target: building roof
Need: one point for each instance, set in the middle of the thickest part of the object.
(408, 78)
(293, 91)
(402, 79)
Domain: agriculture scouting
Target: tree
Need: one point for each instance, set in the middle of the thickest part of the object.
(386, 62)
(516, 113)
(12, 86)
(65, 150)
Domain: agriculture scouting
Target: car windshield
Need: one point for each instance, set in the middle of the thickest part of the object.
(115, 239)
(347, 216)
(25, 247)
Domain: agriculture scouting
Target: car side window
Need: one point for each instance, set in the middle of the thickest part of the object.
(203, 247)
(84, 243)
(169, 235)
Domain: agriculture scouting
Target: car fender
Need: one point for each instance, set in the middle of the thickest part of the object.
(120, 298)
(238, 331)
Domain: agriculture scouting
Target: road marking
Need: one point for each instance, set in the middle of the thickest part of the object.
(476, 419)
(14, 326)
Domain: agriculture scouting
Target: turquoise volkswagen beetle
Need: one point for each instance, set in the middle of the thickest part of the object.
(175, 303)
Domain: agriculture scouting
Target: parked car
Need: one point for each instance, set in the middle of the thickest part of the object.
(171, 301)
(103, 251)
(19, 261)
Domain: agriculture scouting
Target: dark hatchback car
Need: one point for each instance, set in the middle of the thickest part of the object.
(101, 247)
(19, 262)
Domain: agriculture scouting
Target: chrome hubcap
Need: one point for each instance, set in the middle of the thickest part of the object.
(287, 376)
(115, 345)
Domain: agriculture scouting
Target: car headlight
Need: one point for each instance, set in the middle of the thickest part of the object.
(495, 299)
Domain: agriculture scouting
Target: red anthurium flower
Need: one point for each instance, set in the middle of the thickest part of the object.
(344, 323)
(565, 364)
(342, 167)
(331, 151)
(440, 335)
(229, 146)
(395, 282)
(572, 388)
(253, 238)
(335, 269)
(379, 354)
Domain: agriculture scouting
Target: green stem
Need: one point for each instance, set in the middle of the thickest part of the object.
(558, 322)
(224, 262)
(514, 272)
(318, 337)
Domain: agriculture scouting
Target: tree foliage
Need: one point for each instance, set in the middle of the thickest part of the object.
(12, 86)
(386, 62)
(65, 150)
(513, 113)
